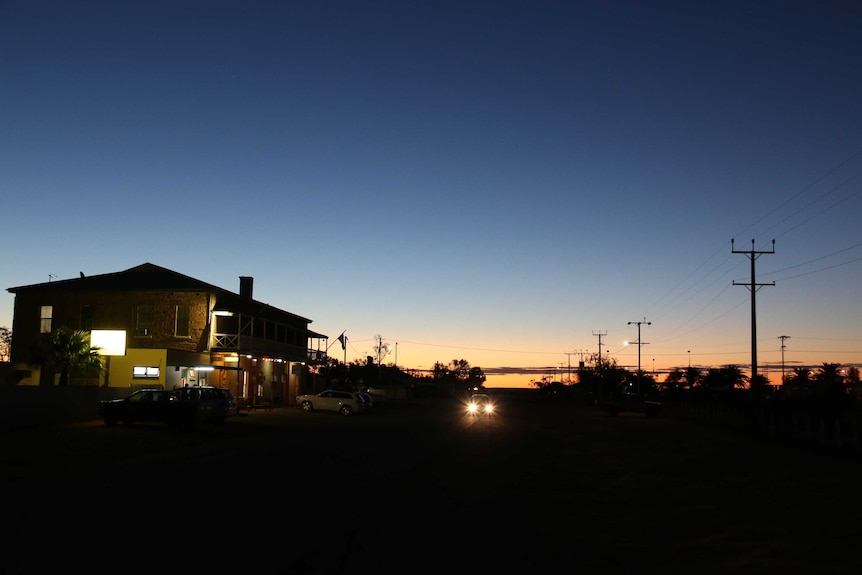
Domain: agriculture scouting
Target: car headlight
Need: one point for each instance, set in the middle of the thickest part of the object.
(489, 408)
(472, 407)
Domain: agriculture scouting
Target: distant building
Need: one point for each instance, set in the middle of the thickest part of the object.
(173, 330)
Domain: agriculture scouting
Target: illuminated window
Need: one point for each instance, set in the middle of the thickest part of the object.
(45, 315)
(145, 372)
(144, 320)
(181, 323)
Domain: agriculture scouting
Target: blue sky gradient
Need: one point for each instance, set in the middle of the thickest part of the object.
(492, 181)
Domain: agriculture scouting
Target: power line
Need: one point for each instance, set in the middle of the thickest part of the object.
(667, 300)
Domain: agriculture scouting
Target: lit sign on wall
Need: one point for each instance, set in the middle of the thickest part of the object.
(109, 341)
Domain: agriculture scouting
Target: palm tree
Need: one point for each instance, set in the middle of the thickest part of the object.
(830, 380)
(729, 376)
(692, 377)
(674, 379)
(829, 373)
(800, 379)
(70, 351)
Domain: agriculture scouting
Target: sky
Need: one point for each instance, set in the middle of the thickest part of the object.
(515, 184)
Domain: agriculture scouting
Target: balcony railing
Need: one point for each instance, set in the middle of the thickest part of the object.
(231, 342)
(226, 341)
(316, 356)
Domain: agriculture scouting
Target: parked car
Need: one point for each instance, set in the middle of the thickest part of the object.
(185, 405)
(480, 404)
(229, 407)
(366, 399)
(631, 402)
(143, 405)
(343, 402)
(203, 403)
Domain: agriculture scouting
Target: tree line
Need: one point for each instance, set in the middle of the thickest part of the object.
(607, 377)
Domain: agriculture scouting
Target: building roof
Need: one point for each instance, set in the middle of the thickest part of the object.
(143, 277)
(149, 276)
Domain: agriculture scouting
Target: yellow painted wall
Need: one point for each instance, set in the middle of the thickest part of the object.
(120, 367)
(35, 373)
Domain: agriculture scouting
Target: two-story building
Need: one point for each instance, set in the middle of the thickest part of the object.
(157, 327)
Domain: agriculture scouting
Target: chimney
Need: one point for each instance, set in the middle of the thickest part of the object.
(245, 286)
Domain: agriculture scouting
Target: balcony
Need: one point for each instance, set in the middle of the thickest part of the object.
(317, 357)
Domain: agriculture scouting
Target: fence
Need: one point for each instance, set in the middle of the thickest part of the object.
(814, 424)
(25, 406)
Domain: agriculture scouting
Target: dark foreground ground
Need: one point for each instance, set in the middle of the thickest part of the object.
(420, 488)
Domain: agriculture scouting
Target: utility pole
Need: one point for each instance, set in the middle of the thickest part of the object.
(753, 287)
(600, 335)
(599, 367)
(638, 323)
(782, 338)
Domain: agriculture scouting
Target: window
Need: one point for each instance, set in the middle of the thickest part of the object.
(144, 320)
(45, 315)
(145, 372)
(259, 328)
(181, 323)
(86, 317)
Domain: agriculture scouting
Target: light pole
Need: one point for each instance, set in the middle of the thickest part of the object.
(689, 359)
(638, 323)
(783, 338)
(382, 349)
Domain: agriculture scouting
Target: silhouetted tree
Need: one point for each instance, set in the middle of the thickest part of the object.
(639, 381)
(759, 386)
(335, 373)
(674, 379)
(728, 376)
(460, 369)
(476, 377)
(800, 379)
(829, 373)
(70, 352)
(440, 372)
(603, 378)
(457, 376)
(829, 380)
(693, 376)
(5, 343)
(680, 378)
